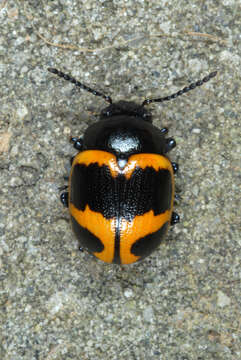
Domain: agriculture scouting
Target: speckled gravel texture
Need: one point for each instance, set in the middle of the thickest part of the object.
(184, 301)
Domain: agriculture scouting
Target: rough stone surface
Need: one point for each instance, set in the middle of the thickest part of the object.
(183, 302)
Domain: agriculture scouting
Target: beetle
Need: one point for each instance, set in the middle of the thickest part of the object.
(121, 186)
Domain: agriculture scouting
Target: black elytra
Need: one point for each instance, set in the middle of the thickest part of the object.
(121, 175)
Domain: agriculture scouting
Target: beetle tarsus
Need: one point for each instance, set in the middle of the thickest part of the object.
(72, 160)
(64, 197)
(175, 218)
(170, 144)
(177, 197)
(175, 167)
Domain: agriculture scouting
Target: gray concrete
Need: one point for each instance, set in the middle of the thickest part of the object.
(183, 302)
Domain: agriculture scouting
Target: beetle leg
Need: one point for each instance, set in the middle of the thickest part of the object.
(78, 143)
(164, 130)
(177, 197)
(61, 188)
(170, 144)
(175, 218)
(175, 167)
(71, 160)
(64, 198)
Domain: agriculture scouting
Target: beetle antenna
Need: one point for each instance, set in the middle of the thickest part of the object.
(79, 84)
(183, 91)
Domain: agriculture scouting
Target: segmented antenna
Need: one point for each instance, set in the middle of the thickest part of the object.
(183, 91)
(79, 84)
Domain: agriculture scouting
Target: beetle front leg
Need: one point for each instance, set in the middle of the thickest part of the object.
(77, 142)
(164, 131)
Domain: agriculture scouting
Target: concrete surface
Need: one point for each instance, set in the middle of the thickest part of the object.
(183, 302)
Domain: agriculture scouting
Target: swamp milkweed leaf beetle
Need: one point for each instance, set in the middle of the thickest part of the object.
(121, 185)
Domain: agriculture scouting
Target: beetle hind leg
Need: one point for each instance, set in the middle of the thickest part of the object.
(177, 197)
(175, 218)
(71, 160)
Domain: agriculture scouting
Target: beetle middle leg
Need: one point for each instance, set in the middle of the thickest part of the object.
(175, 167)
(170, 144)
(64, 196)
